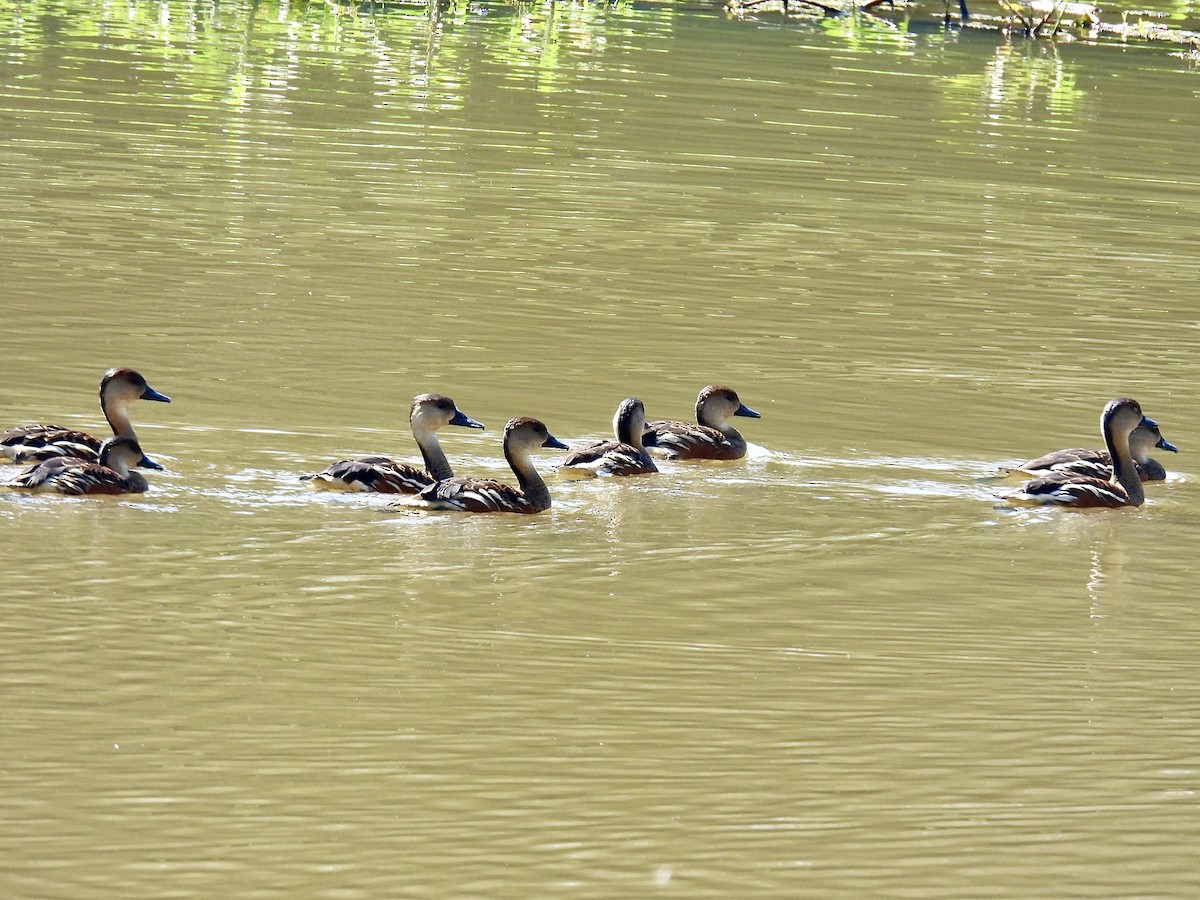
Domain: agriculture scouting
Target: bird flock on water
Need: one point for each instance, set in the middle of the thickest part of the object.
(71, 462)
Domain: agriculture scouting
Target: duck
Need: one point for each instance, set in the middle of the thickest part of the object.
(383, 475)
(1122, 488)
(624, 456)
(711, 437)
(522, 436)
(109, 474)
(1098, 463)
(118, 389)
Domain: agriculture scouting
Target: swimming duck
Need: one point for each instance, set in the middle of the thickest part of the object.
(1124, 488)
(712, 437)
(118, 388)
(521, 437)
(1098, 464)
(380, 474)
(624, 456)
(74, 476)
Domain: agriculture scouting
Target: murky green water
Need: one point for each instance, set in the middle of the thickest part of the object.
(838, 668)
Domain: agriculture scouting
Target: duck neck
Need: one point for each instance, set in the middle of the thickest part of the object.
(436, 463)
(1139, 449)
(719, 424)
(117, 463)
(532, 485)
(118, 418)
(1125, 472)
(627, 434)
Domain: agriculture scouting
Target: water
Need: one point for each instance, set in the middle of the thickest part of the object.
(839, 667)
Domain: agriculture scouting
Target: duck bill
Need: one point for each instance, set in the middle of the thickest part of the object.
(151, 394)
(147, 463)
(1164, 444)
(462, 420)
(746, 411)
(552, 441)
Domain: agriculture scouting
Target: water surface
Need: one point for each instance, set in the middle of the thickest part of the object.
(841, 666)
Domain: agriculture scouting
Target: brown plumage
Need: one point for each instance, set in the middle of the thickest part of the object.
(383, 475)
(711, 437)
(118, 389)
(76, 477)
(1124, 488)
(624, 456)
(480, 495)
